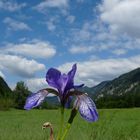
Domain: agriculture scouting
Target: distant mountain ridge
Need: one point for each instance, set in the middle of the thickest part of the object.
(125, 83)
(95, 89)
(123, 91)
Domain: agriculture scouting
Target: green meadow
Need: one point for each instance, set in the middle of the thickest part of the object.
(113, 124)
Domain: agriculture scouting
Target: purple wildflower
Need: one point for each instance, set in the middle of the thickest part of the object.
(65, 89)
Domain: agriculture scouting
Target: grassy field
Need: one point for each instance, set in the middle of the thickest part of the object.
(113, 124)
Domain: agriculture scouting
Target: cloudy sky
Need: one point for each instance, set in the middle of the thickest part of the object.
(101, 36)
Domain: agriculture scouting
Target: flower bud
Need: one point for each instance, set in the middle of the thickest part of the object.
(72, 115)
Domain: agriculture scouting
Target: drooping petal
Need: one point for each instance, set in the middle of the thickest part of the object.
(87, 108)
(53, 91)
(35, 99)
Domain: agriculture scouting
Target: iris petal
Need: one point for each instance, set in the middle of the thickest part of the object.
(71, 74)
(52, 77)
(35, 99)
(62, 82)
(87, 108)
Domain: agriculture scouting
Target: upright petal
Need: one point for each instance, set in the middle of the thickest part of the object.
(87, 108)
(52, 77)
(35, 99)
(71, 74)
(63, 82)
(57, 80)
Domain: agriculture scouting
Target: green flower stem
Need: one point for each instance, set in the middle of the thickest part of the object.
(61, 123)
(70, 121)
(66, 131)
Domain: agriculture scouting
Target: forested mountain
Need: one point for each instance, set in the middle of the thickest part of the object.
(123, 91)
(5, 91)
(124, 84)
(6, 95)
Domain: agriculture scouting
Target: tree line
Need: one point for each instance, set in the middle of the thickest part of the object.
(15, 98)
(128, 100)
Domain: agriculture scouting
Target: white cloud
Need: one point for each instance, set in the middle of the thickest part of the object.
(83, 33)
(93, 72)
(51, 26)
(52, 4)
(70, 19)
(15, 25)
(51, 23)
(93, 58)
(123, 16)
(20, 66)
(35, 84)
(119, 51)
(35, 49)
(81, 49)
(92, 37)
(10, 5)
(96, 37)
(89, 32)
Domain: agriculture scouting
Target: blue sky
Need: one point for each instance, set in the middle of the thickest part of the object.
(101, 36)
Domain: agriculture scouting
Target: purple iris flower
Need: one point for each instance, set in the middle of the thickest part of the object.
(64, 88)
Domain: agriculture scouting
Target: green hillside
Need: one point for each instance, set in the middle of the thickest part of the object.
(123, 91)
(5, 91)
(6, 95)
(128, 83)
